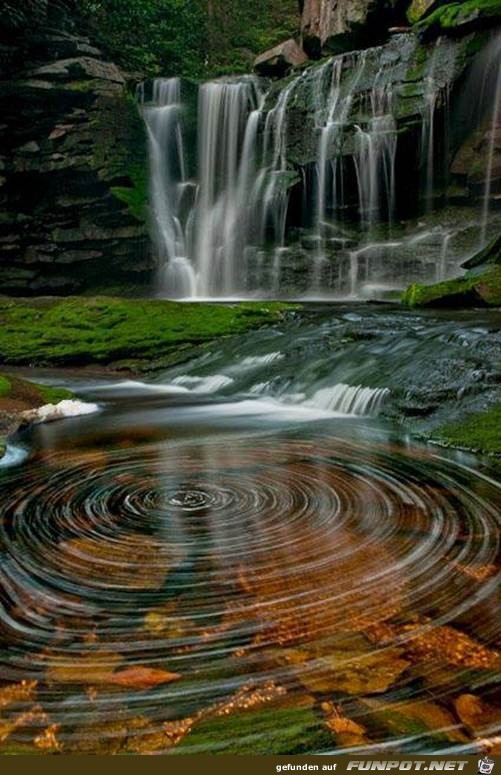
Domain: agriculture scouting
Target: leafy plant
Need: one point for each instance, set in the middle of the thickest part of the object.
(192, 38)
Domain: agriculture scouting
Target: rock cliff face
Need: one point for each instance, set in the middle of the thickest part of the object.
(334, 26)
(73, 166)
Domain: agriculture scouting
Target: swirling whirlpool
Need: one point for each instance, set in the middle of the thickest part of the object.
(247, 595)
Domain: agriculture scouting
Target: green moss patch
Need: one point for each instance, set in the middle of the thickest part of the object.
(472, 290)
(53, 395)
(5, 386)
(478, 432)
(105, 330)
(460, 17)
(23, 393)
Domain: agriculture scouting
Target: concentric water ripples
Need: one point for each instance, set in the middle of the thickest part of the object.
(256, 595)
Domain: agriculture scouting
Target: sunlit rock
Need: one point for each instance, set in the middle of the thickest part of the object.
(279, 60)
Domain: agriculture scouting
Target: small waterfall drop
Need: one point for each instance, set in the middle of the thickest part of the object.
(349, 399)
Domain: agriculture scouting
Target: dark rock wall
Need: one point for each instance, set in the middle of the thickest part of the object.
(73, 163)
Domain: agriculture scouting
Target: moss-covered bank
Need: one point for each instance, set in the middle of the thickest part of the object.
(478, 432)
(137, 334)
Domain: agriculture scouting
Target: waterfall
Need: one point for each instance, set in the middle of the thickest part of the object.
(442, 264)
(494, 67)
(347, 399)
(336, 111)
(271, 194)
(375, 158)
(200, 255)
(221, 222)
(228, 123)
(163, 119)
(431, 95)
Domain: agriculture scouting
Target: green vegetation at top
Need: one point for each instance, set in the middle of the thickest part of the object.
(472, 290)
(183, 37)
(138, 333)
(478, 432)
(451, 16)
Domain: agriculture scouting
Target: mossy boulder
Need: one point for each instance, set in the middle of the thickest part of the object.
(473, 290)
(25, 394)
(460, 18)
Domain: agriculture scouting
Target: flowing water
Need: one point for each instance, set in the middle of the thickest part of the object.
(243, 556)
(224, 198)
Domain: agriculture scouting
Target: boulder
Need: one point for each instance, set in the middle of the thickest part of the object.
(279, 60)
(79, 68)
(472, 290)
(334, 26)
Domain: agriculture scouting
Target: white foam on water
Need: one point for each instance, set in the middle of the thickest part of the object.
(13, 456)
(60, 411)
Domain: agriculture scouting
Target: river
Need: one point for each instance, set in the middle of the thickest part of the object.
(251, 554)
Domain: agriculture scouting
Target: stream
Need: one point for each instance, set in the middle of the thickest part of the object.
(249, 553)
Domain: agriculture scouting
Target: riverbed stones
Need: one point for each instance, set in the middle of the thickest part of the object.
(477, 716)
(353, 672)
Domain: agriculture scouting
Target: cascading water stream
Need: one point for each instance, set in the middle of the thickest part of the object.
(494, 66)
(431, 96)
(228, 123)
(168, 182)
(223, 233)
(337, 111)
(271, 196)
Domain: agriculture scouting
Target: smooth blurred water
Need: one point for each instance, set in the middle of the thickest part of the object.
(225, 572)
